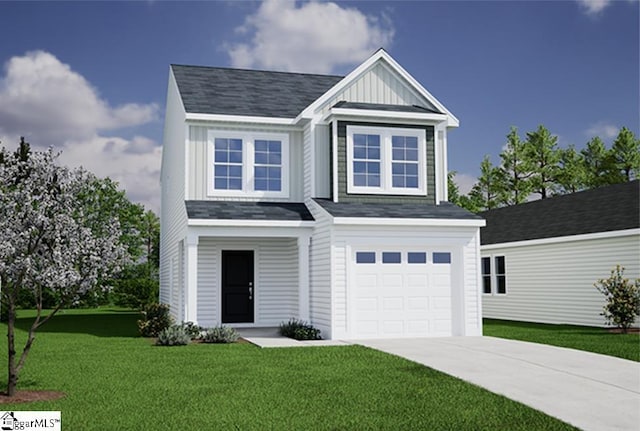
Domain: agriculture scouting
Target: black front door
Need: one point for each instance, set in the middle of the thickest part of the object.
(237, 286)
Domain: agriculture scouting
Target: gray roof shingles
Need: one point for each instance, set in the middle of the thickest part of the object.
(226, 210)
(376, 210)
(225, 91)
(382, 107)
(603, 209)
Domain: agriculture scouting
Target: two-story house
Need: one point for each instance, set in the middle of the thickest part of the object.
(318, 197)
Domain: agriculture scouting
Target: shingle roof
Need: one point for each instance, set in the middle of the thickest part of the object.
(382, 107)
(604, 209)
(376, 210)
(216, 90)
(224, 210)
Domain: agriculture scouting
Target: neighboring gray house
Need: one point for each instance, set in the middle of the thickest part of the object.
(540, 259)
(316, 197)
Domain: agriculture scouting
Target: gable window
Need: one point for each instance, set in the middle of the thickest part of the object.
(248, 164)
(386, 160)
(494, 275)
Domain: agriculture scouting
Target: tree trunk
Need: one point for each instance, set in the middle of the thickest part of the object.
(12, 380)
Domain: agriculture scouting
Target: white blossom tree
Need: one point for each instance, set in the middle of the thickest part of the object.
(50, 239)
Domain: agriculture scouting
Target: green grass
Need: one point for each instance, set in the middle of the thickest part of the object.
(115, 380)
(597, 340)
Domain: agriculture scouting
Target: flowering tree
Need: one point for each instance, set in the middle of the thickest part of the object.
(623, 299)
(50, 239)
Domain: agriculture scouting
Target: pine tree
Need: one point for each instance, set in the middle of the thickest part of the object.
(626, 154)
(542, 154)
(572, 175)
(516, 170)
(488, 192)
(599, 165)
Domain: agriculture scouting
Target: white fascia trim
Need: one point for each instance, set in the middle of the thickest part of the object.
(241, 119)
(250, 223)
(370, 221)
(561, 239)
(371, 113)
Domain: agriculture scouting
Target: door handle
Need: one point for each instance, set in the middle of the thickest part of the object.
(250, 292)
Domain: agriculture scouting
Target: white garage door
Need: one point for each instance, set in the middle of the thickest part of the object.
(401, 293)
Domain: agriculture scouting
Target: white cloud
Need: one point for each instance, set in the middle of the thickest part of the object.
(44, 100)
(312, 37)
(594, 7)
(603, 129)
(465, 182)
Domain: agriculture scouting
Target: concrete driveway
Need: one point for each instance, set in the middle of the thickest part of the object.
(587, 390)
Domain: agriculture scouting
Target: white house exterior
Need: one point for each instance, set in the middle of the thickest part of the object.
(540, 260)
(316, 197)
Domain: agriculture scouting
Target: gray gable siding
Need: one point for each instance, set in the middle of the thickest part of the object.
(343, 196)
(604, 209)
(256, 93)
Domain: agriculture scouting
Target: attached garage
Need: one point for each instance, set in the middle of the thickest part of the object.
(401, 293)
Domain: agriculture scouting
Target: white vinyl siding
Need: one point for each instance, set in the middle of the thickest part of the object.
(173, 215)
(320, 271)
(553, 283)
(276, 278)
(198, 163)
(380, 85)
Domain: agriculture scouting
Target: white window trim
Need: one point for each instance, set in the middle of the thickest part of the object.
(494, 275)
(248, 165)
(386, 161)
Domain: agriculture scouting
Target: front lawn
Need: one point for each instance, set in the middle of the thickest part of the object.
(597, 340)
(116, 380)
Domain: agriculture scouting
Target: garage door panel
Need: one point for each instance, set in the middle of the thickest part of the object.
(401, 300)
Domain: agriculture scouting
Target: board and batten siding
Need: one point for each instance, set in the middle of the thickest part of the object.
(554, 283)
(276, 278)
(173, 216)
(197, 163)
(320, 270)
(379, 85)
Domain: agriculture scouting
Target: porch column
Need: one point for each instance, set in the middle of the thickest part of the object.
(303, 276)
(191, 278)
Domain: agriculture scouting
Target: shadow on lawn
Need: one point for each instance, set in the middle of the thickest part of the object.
(116, 323)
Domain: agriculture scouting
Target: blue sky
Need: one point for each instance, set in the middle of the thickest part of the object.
(90, 78)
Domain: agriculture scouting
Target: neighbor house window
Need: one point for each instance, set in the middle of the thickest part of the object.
(254, 164)
(501, 275)
(386, 160)
(494, 275)
(486, 275)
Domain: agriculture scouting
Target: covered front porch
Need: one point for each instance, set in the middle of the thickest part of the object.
(247, 272)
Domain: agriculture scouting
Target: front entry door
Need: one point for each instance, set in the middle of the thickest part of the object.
(237, 286)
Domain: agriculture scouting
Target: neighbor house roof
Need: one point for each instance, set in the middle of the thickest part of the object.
(258, 93)
(226, 210)
(394, 210)
(604, 209)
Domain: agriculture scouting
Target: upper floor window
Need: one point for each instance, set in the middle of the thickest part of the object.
(384, 160)
(248, 164)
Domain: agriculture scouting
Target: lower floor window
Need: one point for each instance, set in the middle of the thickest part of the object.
(494, 275)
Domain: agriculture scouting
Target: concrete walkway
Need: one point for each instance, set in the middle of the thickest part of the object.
(270, 337)
(587, 390)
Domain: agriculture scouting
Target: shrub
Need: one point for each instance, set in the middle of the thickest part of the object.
(156, 318)
(220, 334)
(174, 335)
(192, 329)
(623, 299)
(299, 330)
(135, 292)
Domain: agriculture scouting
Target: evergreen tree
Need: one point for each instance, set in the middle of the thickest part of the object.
(625, 154)
(517, 170)
(599, 165)
(542, 154)
(453, 192)
(571, 175)
(488, 192)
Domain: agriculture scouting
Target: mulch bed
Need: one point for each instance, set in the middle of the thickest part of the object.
(30, 396)
(619, 331)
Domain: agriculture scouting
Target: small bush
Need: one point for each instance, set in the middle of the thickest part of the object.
(192, 329)
(623, 299)
(220, 334)
(174, 335)
(299, 330)
(156, 318)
